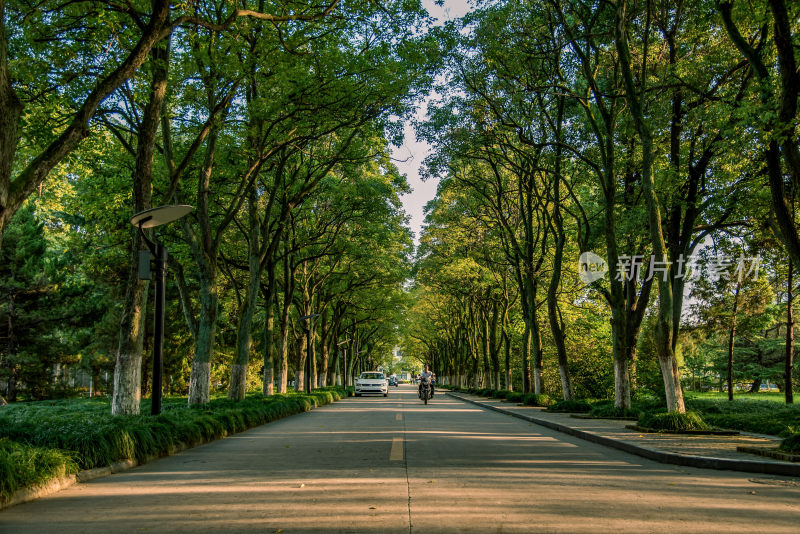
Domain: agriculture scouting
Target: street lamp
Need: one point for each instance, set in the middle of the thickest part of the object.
(307, 329)
(150, 219)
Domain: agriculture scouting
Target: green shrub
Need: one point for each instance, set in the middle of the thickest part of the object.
(500, 393)
(791, 444)
(606, 408)
(321, 397)
(574, 405)
(337, 392)
(85, 428)
(675, 421)
(514, 396)
(536, 399)
(24, 466)
(44, 440)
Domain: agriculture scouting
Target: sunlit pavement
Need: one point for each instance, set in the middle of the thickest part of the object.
(375, 464)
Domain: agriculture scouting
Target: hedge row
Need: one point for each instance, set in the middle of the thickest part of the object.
(23, 466)
(531, 399)
(45, 440)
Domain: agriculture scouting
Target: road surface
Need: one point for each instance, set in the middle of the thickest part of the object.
(376, 465)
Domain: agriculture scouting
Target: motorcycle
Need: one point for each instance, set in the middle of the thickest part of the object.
(425, 390)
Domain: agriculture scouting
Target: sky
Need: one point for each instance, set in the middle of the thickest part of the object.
(411, 154)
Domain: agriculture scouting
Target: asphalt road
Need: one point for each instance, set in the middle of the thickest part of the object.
(375, 464)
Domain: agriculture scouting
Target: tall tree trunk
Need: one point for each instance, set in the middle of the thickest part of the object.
(200, 377)
(128, 367)
(494, 348)
(11, 386)
(563, 365)
(302, 354)
(507, 348)
(244, 337)
(270, 302)
(351, 352)
(475, 358)
(312, 332)
(205, 252)
(526, 350)
(127, 391)
(536, 346)
(487, 369)
(325, 348)
(283, 366)
(755, 386)
(732, 341)
(288, 291)
(663, 329)
(556, 325)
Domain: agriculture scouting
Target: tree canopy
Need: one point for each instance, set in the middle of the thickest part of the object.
(615, 214)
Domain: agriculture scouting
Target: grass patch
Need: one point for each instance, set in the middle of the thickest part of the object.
(759, 416)
(766, 396)
(606, 408)
(673, 421)
(24, 466)
(68, 435)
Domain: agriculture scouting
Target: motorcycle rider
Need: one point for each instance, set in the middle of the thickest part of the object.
(426, 374)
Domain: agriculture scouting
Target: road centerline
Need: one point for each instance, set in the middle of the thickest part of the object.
(396, 453)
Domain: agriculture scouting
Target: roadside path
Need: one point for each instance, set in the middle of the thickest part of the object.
(705, 451)
(377, 465)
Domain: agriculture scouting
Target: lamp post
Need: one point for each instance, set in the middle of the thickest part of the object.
(150, 219)
(307, 378)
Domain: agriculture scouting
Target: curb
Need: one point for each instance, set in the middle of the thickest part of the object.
(54, 486)
(770, 453)
(704, 462)
(99, 472)
(29, 494)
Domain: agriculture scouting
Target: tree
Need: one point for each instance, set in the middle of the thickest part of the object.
(775, 116)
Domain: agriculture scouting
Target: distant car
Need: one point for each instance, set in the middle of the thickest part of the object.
(372, 382)
(392, 381)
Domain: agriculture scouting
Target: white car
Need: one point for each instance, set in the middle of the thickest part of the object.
(372, 382)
